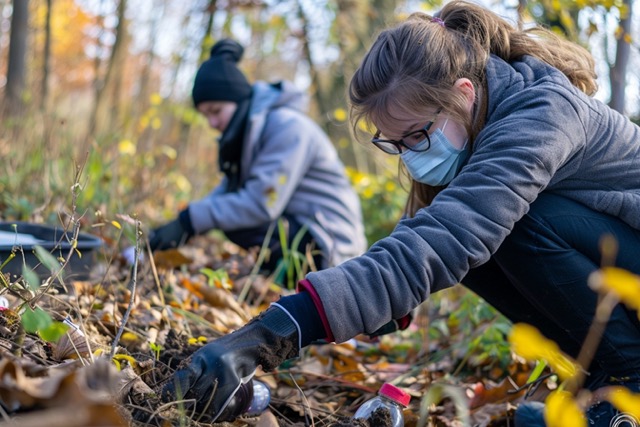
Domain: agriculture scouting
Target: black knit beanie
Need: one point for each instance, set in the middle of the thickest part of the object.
(218, 78)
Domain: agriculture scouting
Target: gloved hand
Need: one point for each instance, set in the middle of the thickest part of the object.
(220, 367)
(168, 236)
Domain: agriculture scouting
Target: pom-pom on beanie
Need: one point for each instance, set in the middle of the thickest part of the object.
(218, 78)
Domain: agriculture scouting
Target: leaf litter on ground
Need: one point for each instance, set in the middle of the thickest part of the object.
(86, 379)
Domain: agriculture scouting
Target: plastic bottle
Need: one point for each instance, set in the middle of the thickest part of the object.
(390, 397)
(251, 399)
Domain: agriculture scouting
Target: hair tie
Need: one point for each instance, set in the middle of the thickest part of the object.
(437, 21)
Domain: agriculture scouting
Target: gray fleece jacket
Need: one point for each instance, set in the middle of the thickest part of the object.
(288, 166)
(541, 134)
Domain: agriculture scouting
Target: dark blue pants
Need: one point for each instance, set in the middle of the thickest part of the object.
(539, 276)
(252, 237)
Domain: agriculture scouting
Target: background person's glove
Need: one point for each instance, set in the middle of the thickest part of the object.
(172, 234)
(220, 367)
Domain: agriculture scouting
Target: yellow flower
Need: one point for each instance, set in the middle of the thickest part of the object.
(529, 343)
(155, 99)
(368, 193)
(144, 122)
(340, 114)
(129, 337)
(625, 401)
(170, 152)
(365, 126)
(126, 147)
(561, 410)
(622, 283)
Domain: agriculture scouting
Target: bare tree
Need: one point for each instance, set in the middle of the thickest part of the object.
(46, 62)
(16, 70)
(618, 71)
(147, 70)
(106, 102)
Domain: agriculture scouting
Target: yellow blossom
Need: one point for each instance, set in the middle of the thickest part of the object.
(170, 152)
(368, 193)
(561, 410)
(365, 126)
(529, 343)
(155, 99)
(622, 283)
(340, 114)
(144, 122)
(126, 147)
(626, 401)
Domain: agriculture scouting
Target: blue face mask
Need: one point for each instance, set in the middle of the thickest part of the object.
(439, 164)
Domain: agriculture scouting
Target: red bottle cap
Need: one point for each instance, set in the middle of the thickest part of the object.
(396, 394)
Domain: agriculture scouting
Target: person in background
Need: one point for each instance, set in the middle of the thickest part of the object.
(517, 173)
(278, 165)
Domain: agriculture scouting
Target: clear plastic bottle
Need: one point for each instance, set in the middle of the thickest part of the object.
(251, 399)
(390, 397)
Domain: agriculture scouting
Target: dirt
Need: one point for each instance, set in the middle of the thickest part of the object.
(381, 417)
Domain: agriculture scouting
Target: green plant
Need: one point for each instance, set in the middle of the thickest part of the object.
(382, 201)
(475, 331)
(294, 265)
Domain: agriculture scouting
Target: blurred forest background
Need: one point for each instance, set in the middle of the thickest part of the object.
(97, 123)
(97, 92)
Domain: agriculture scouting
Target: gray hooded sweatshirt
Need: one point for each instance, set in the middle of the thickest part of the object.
(541, 134)
(288, 166)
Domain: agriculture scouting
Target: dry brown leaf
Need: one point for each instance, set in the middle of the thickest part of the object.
(73, 415)
(66, 383)
(71, 345)
(487, 414)
(216, 297)
(501, 392)
(130, 384)
(170, 259)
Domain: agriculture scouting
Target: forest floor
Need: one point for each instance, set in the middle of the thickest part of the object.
(128, 332)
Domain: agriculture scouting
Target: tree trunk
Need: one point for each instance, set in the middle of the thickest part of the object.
(356, 22)
(618, 71)
(145, 75)
(206, 46)
(316, 89)
(105, 107)
(46, 61)
(16, 69)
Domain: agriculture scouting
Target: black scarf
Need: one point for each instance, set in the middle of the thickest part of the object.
(230, 145)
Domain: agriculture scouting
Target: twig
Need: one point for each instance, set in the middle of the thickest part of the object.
(305, 404)
(132, 283)
(587, 351)
(256, 267)
(75, 232)
(170, 404)
(4, 414)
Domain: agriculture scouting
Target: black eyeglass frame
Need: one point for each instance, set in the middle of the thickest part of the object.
(398, 143)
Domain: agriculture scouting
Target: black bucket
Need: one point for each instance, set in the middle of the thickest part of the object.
(23, 237)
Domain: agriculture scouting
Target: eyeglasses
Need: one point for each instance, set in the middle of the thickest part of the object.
(409, 141)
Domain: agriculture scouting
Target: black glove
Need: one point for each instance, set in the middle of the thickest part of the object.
(220, 367)
(170, 235)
